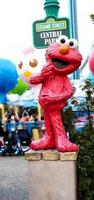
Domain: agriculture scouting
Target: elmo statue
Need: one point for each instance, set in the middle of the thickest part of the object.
(62, 58)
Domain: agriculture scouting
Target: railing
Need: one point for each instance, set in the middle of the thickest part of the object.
(23, 125)
(39, 125)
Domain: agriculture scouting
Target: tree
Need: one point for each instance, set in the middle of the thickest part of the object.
(87, 102)
(92, 17)
(85, 140)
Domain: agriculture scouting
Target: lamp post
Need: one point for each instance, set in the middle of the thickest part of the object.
(51, 8)
(73, 27)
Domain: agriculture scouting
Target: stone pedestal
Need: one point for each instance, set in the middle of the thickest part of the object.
(52, 175)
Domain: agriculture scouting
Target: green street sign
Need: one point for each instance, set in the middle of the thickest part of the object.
(45, 32)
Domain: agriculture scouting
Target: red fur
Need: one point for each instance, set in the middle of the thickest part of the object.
(56, 90)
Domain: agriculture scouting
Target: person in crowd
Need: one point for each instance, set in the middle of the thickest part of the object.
(35, 126)
(10, 126)
(1, 128)
(9, 113)
(24, 117)
(42, 126)
(23, 135)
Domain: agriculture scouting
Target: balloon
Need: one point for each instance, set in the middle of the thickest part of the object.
(91, 62)
(8, 78)
(30, 63)
(20, 88)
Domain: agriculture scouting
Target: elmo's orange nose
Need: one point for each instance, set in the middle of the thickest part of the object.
(63, 49)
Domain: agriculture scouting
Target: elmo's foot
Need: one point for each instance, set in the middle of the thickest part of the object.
(67, 146)
(43, 143)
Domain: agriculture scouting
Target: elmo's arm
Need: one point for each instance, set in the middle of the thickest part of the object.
(36, 79)
(42, 76)
(66, 93)
(68, 90)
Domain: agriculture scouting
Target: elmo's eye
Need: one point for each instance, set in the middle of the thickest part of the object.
(33, 62)
(73, 43)
(20, 64)
(62, 39)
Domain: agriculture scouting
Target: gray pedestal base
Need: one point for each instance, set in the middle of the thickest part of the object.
(52, 175)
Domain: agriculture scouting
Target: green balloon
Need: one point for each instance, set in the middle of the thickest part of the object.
(20, 88)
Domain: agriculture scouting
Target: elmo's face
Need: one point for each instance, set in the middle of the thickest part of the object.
(64, 55)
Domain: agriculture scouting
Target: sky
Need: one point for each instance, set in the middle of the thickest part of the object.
(17, 16)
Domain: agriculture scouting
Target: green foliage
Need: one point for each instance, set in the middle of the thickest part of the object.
(85, 161)
(85, 140)
(85, 165)
(92, 17)
(68, 119)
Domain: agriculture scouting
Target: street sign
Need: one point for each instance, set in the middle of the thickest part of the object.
(45, 32)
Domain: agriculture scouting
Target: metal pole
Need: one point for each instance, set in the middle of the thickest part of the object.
(73, 27)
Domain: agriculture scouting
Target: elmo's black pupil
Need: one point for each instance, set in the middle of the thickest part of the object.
(62, 40)
(71, 43)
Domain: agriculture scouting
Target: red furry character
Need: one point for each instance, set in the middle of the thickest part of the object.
(62, 58)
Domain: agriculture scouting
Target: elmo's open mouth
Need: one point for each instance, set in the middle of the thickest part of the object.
(60, 64)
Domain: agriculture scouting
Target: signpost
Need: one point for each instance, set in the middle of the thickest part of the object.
(47, 31)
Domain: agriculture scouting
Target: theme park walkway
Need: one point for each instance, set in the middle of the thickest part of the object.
(13, 178)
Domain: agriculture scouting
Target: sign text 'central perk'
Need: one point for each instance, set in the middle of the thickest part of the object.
(46, 32)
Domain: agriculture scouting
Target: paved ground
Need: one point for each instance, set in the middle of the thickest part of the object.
(13, 178)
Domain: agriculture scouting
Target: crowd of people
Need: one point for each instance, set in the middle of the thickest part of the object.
(17, 131)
